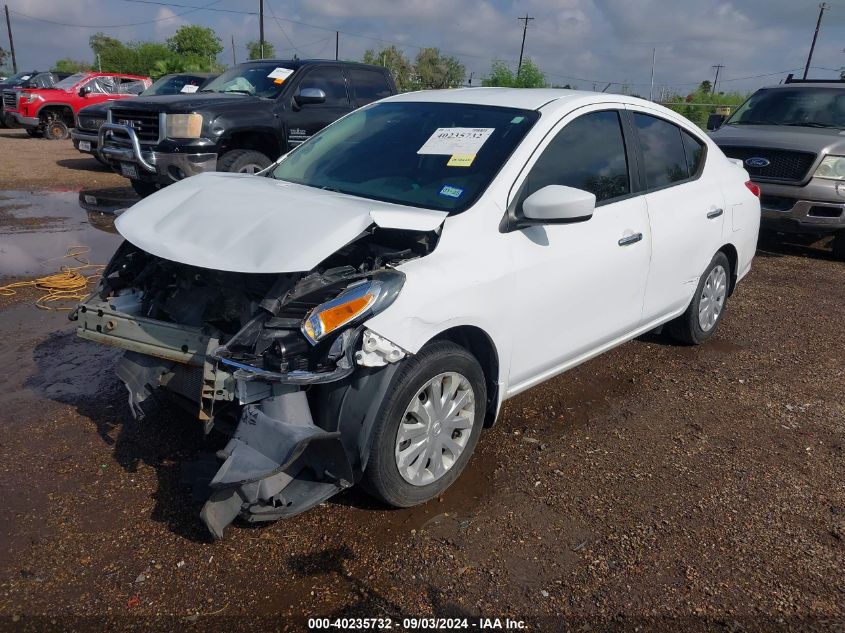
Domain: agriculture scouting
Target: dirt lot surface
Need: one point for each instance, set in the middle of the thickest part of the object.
(658, 487)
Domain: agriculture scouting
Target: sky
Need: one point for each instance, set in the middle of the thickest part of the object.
(586, 43)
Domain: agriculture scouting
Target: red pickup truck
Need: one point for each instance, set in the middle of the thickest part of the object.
(52, 111)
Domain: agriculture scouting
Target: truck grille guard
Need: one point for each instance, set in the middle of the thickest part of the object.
(108, 148)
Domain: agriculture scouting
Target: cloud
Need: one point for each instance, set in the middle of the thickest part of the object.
(573, 41)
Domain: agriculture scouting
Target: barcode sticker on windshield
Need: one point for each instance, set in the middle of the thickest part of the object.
(280, 73)
(456, 140)
(189, 88)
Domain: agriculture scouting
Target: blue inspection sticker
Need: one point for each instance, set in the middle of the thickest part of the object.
(451, 192)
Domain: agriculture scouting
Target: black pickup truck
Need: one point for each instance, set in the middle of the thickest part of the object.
(240, 122)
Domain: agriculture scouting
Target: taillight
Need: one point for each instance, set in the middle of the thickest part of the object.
(753, 188)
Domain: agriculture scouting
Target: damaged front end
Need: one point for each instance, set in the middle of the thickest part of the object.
(280, 362)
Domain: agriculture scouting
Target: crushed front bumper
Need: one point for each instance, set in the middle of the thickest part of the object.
(284, 456)
(120, 144)
(23, 121)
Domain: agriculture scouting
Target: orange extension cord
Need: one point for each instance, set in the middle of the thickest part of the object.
(71, 283)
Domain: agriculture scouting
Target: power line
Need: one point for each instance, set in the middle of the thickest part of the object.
(120, 26)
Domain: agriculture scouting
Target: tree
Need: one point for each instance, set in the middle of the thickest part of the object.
(530, 76)
(433, 70)
(395, 61)
(4, 55)
(71, 66)
(705, 86)
(254, 48)
(197, 44)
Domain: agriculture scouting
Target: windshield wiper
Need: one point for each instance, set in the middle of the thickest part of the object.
(812, 124)
(753, 122)
(243, 92)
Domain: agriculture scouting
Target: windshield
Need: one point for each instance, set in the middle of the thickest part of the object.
(433, 155)
(174, 84)
(262, 80)
(69, 82)
(20, 78)
(801, 106)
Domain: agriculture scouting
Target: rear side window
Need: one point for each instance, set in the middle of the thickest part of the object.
(694, 151)
(367, 86)
(330, 81)
(588, 154)
(663, 151)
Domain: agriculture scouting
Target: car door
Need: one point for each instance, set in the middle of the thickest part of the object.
(100, 89)
(579, 286)
(305, 120)
(685, 209)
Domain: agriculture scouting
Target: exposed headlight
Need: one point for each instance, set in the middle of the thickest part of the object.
(832, 168)
(183, 125)
(354, 304)
(29, 97)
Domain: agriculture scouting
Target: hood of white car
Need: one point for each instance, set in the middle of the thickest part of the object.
(245, 223)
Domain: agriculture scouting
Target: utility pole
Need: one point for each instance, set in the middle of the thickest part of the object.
(336, 45)
(822, 8)
(11, 41)
(718, 67)
(261, 27)
(522, 48)
(234, 61)
(651, 91)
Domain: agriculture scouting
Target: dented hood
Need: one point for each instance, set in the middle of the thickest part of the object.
(250, 224)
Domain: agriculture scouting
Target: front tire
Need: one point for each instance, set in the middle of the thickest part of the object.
(243, 161)
(34, 132)
(56, 130)
(428, 426)
(705, 311)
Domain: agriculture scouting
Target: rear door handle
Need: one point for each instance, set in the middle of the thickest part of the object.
(630, 239)
(714, 213)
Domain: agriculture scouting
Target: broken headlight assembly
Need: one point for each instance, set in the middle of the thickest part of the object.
(357, 302)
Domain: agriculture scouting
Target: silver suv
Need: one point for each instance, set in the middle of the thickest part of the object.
(791, 140)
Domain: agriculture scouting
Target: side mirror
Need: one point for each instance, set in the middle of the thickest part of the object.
(84, 91)
(714, 121)
(556, 204)
(309, 96)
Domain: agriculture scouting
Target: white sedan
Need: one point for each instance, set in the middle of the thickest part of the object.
(361, 313)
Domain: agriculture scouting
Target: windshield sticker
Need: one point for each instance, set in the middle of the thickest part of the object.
(25, 77)
(280, 73)
(518, 119)
(456, 140)
(189, 88)
(461, 160)
(451, 192)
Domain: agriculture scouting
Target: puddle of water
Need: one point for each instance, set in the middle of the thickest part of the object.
(38, 227)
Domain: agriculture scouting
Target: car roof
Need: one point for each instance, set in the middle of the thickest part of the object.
(522, 98)
(807, 84)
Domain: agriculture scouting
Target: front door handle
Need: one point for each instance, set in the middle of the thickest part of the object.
(630, 239)
(714, 213)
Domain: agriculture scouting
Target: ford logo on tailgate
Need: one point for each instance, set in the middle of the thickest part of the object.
(757, 161)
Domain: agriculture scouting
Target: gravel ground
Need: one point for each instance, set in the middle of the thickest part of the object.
(658, 487)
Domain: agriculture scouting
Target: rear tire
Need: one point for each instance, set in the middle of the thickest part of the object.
(705, 311)
(452, 370)
(143, 188)
(839, 246)
(243, 161)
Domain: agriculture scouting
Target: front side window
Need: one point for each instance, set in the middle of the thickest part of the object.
(330, 81)
(431, 155)
(588, 154)
(663, 151)
(131, 86)
(103, 85)
(367, 86)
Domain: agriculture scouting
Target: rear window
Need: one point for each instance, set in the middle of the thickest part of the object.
(663, 151)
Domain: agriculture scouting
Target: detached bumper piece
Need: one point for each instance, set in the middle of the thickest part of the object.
(277, 464)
